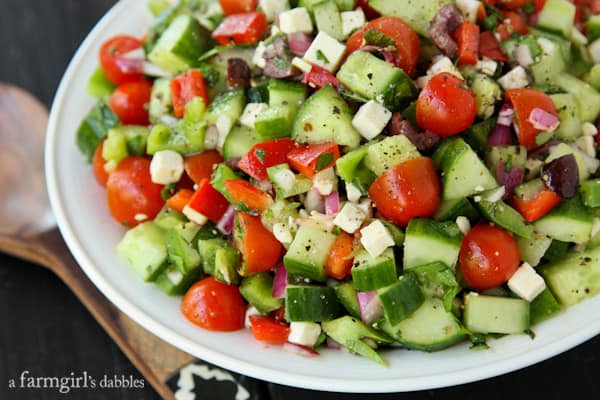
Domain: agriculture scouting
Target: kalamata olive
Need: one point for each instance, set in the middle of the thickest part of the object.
(423, 141)
(562, 176)
(541, 152)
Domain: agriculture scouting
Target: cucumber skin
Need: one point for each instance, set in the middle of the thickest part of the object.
(374, 273)
(257, 290)
(311, 303)
(500, 314)
(572, 212)
(402, 299)
(308, 252)
(417, 13)
(145, 250)
(505, 216)
(346, 294)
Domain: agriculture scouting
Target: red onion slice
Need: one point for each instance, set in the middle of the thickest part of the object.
(135, 54)
(500, 136)
(388, 55)
(300, 350)
(332, 203)
(509, 179)
(543, 120)
(280, 281)
(370, 306)
(130, 66)
(225, 225)
(506, 115)
(299, 43)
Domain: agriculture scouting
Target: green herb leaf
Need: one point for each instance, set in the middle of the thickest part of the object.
(168, 191)
(322, 57)
(260, 154)
(211, 74)
(323, 161)
(377, 38)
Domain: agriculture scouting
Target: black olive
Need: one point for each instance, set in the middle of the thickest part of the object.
(562, 176)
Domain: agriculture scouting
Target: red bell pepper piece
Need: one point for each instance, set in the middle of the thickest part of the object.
(180, 199)
(319, 77)
(535, 208)
(237, 6)
(245, 28)
(185, 88)
(246, 196)
(260, 250)
(312, 158)
(268, 329)
(489, 47)
(208, 202)
(467, 38)
(264, 155)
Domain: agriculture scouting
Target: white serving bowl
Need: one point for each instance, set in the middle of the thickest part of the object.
(92, 235)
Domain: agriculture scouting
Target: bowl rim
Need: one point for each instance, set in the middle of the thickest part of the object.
(314, 382)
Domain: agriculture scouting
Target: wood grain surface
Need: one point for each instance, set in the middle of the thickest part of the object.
(46, 331)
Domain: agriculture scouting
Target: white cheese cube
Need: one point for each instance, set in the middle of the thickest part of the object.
(295, 20)
(371, 119)
(285, 179)
(443, 64)
(546, 45)
(194, 216)
(301, 64)
(367, 207)
(376, 238)
(272, 8)
(325, 52)
(463, 224)
(325, 181)
(352, 20)
(516, 78)
(166, 167)
(250, 311)
(350, 218)
(526, 283)
(258, 58)
(282, 233)
(487, 66)
(589, 129)
(352, 192)
(594, 49)
(304, 333)
(587, 144)
(469, 8)
(250, 113)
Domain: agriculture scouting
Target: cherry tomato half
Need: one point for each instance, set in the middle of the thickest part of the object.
(446, 106)
(410, 189)
(488, 257)
(214, 305)
(114, 67)
(130, 192)
(130, 102)
(98, 166)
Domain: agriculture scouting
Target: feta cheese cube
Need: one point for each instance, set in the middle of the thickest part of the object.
(258, 58)
(352, 20)
(325, 181)
(526, 283)
(587, 144)
(375, 238)
(301, 64)
(589, 129)
(194, 216)
(443, 64)
(272, 8)
(314, 201)
(367, 207)
(371, 119)
(285, 179)
(250, 311)
(325, 52)
(282, 233)
(250, 113)
(350, 218)
(469, 8)
(487, 66)
(166, 167)
(304, 333)
(516, 78)
(463, 224)
(295, 20)
(352, 192)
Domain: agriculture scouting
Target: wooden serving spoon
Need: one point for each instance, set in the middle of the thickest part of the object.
(28, 231)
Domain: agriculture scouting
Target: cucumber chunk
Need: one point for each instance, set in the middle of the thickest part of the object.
(428, 241)
(590, 193)
(417, 13)
(401, 299)
(174, 283)
(533, 249)
(505, 216)
(167, 218)
(346, 294)
(544, 306)
(311, 303)
(568, 112)
(239, 141)
(179, 247)
(301, 183)
(587, 98)
(99, 86)
(370, 273)
(220, 259)
(144, 249)
(161, 103)
(328, 19)
(557, 16)
(257, 290)
(308, 252)
(449, 210)
(493, 314)
(94, 128)
(389, 152)
(570, 221)
(347, 165)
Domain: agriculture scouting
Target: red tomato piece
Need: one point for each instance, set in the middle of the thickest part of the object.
(264, 155)
(185, 88)
(114, 67)
(538, 206)
(237, 6)
(246, 28)
(341, 255)
(208, 202)
(467, 38)
(260, 250)
(201, 166)
(488, 257)
(98, 166)
(408, 190)
(130, 192)
(215, 306)
(312, 158)
(524, 101)
(244, 194)
(180, 199)
(319, 77)
(130, 102)
(513, 22)
(490, 48)
(406, 39)
(511, 4)
(446, 106)
(268, 329)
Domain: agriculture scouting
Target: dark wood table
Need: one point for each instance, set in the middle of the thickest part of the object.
(44, 329)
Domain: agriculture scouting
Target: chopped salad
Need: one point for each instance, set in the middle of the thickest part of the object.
(356, 174)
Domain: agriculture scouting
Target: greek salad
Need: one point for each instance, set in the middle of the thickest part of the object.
(356, 174)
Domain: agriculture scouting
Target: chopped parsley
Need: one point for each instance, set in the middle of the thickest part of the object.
(377, 38)
(322, 57)
(260, 154)
(323, 161)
